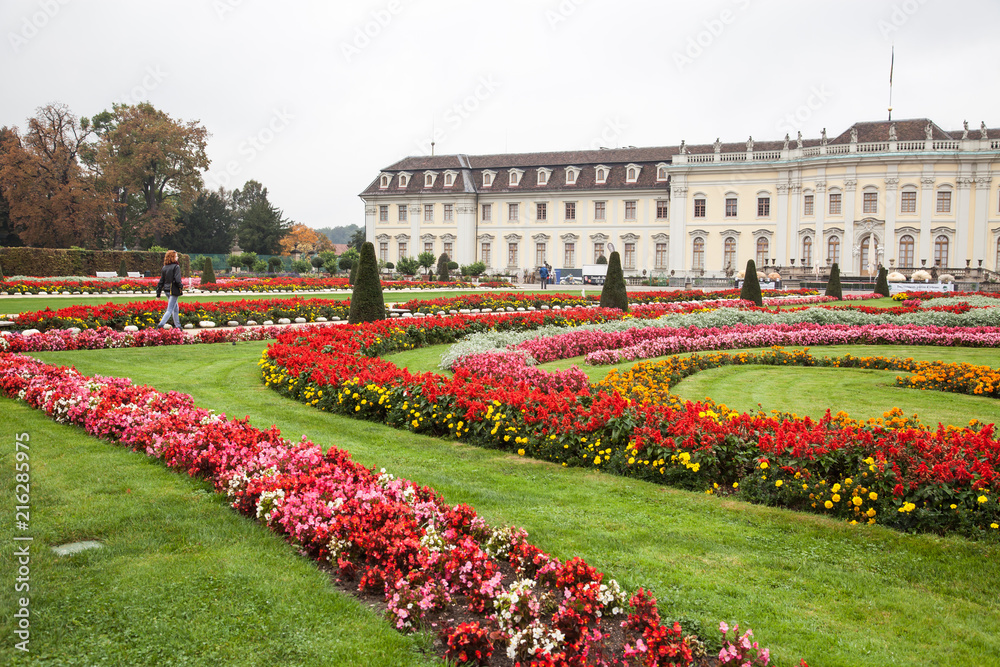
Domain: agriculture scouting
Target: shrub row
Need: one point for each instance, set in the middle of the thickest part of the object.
(45, 262)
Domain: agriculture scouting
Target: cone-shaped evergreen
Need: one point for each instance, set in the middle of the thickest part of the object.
(833, 287)
(208, 272)
(751, 285)
(354, 272)
(122, 269)
(882, 284)
(614, 294)
(367, 304)
(442, 268)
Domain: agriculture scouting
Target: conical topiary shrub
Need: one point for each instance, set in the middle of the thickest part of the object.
(833, 287)
(882, 284)
(442, 268)
(367, 304)
(122, 269)
(614, 294)
(751, 285)
(207, 272)
(354, 272)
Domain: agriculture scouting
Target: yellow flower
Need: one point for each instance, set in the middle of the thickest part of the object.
(597, 460)
(836, 497)
(982, 499)
(873, 496)
(954, 506)
(848, 481)
(994, 526)
(857, 501)
(520, 452)
(835, 488)
(778, 483)
(828, 505)
(871, 511)
(763, 465)
(736, 485)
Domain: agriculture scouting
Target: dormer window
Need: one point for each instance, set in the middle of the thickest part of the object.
(404, 179)
(515, 177)
(449, 178)
(543, 176)
(384, 181)
(601, 174)
(429, 178)
(488, 178)
(661, 172)
(571, 174)
(632, 173)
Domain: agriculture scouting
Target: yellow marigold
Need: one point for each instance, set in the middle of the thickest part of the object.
(873, 496)
(763, 465)
(828, 505)
(778, 483)
(836, 497)
(982, 499)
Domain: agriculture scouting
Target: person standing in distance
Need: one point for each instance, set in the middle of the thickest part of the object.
(543, 275)
(170, 281)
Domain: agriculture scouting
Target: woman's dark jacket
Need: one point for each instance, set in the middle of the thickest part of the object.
(170, 278)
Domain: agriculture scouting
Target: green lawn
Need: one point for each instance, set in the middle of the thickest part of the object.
(181, 580)
(810, 587)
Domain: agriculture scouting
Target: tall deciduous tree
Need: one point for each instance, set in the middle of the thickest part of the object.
(146, 152)
(54, 199)
(208, 225)
(8, 236)
(261, 225)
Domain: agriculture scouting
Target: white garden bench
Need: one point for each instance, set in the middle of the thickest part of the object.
(134, 274)
(107, 274)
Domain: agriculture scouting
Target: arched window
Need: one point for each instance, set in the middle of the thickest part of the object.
(729, 253)
(762, 248)
(906, 250)
(384, 183)
(807, 251)
(941, 251)
(698, 254)
(833, 250)
(600, 175)
(631, 173)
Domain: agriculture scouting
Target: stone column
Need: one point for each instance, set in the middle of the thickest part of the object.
(371, 217)
(980, 235)
(783, 225)
(850, 192)
(926, 212)
(678, 228)
(465, 244)
(964, 220)
(820, 206)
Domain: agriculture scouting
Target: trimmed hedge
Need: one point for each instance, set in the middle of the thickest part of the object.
(49, 262)
(367, 303)
(614, 294)
(751, 285)
(833, 287)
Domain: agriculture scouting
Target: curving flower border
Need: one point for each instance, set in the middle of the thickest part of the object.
(942, 473)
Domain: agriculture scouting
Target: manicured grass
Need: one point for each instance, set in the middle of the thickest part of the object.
(810, 587)
(181, 579)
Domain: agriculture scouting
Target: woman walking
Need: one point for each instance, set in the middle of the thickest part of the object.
(170, 281)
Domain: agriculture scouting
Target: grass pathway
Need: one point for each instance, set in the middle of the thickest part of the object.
(809, 586)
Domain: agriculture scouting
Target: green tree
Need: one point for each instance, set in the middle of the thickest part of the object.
(261, 225)
(833, 287)
(407, 266)
(614, 294)
(273, 264)
(358, 239)
(367, 303)
(207, 224)
(8, 237)
(882, 284)
(751, 285)
(144, 151)
(355, 265)
(300, 266)
(426, 261)
(442, 268)
(122, 269)
(208, 272)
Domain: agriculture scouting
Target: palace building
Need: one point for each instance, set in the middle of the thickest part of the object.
(904, 194)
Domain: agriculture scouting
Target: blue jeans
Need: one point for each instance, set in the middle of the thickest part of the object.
(172, 309)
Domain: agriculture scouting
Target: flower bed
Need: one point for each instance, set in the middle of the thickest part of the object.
(81, 285)
(429, 560)
(524, 300)
(603, 427)
(308, 284)
(104, 338)
(147, 313)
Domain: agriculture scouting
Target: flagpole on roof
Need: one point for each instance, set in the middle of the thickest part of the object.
(892, 62)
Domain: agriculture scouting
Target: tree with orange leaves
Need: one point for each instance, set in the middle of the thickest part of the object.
(54, 199)
(301, 238)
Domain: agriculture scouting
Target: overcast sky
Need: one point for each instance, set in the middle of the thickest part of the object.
(313, 98)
